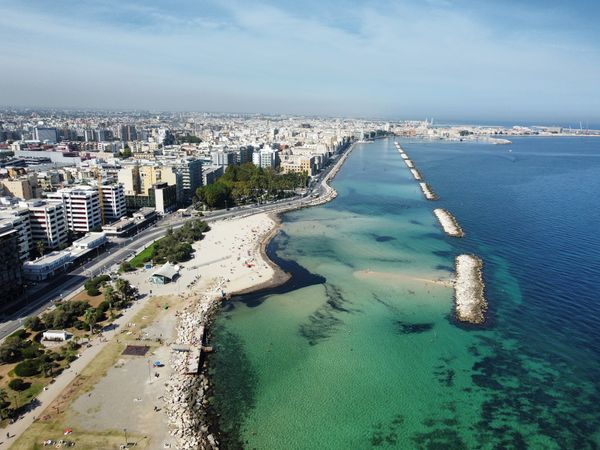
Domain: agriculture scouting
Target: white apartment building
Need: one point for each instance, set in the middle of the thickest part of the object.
(265, 157)
(48, 223)
(82, 207)
(113, 202)
(18, 218)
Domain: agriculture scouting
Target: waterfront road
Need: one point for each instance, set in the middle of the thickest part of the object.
(122, 249)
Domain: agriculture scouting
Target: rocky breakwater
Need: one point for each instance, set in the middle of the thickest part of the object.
(427, 191)
(185, 400)
(416, 174)
(470, 303)
(448, 223)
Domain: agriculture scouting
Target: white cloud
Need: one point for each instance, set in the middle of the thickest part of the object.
(432, 60)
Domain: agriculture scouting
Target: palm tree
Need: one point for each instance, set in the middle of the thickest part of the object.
(110, 296)
(40, 246)
(90, 318)
(125, 290)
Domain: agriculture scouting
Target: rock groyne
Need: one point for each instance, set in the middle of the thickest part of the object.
(448, 223)
(416, 174)
(427, 191)
(469, 289)
(185, 400)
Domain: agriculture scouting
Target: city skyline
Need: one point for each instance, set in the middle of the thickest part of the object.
(452, 60)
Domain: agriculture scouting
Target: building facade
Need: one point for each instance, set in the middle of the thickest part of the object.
(82, 208)
(18, 219)
(113, 202)
(48, 223)
(11, 271)
(191, 173)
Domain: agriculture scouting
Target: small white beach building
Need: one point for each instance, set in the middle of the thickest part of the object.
(165, 274)
(55, 335)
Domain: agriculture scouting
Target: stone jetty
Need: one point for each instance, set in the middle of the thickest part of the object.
(448, 223)
(416, 174)
(469, 289)
(185, 400)
(427, 191)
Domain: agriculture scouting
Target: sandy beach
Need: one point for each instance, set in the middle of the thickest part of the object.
(230, 259)
(97, 397)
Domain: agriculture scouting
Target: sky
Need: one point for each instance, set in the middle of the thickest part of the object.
(449, 59)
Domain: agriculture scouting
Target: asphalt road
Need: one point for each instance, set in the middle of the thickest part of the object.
(120, 249)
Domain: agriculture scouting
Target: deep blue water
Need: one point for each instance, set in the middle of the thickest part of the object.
(536, 204)
(364, 352)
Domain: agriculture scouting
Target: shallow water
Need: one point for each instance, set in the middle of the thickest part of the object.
(362, 350)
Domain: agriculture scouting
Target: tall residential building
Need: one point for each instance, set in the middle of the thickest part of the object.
(82, 208)
(89, 135)
(245, 154)
(48, 223)
(191, 173)
(149, 176)
(128, 133)
(104, 135)
(173, 177)
(18, 218)
(11, 268)
(221, 158)
(211, 174)
(113, 202)
(45, 135)
(129, 177)
(265, 157)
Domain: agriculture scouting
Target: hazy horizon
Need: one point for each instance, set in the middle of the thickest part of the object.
(518, 62)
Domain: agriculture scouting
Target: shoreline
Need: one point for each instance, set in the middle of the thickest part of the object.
(189, 412)
(279, 277)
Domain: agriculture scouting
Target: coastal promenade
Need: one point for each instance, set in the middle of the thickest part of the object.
(246, 267)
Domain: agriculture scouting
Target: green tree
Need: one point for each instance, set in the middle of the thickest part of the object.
(40, 247)
(125, 290)
(4, 403)
(215, 195)
(126, 153)
(34, 323)
(89, 317)
(126, 267)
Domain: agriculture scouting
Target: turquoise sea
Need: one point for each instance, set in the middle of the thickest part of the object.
(360, 350)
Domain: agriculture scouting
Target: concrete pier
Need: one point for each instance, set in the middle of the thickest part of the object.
(448, 223)
(409, 164)
(469, 289)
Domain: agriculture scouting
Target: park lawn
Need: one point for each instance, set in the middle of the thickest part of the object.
(53, 420)
(143, 256)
